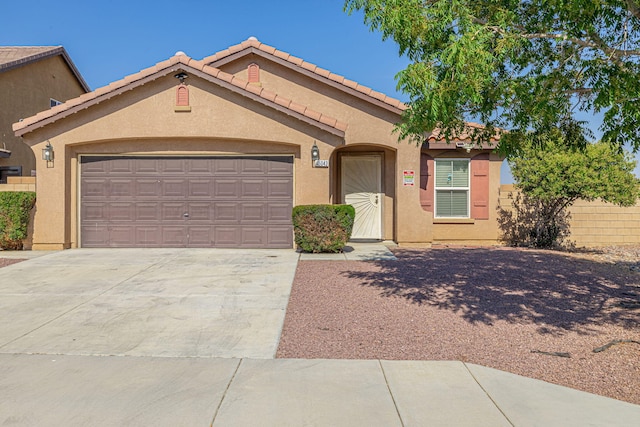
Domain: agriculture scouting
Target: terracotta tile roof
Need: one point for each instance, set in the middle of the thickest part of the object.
(189, 65)
(17, 56)
(437, 138)
(255, 46)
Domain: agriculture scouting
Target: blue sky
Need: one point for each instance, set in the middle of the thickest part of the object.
(109, 40)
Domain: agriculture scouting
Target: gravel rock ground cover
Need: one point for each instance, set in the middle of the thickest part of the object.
(511, 309)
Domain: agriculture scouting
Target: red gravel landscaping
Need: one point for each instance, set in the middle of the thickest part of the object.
(515, 310)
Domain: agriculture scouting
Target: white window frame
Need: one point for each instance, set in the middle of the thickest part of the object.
(436, 188)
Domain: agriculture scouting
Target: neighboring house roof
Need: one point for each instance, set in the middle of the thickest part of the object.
(189, 65)
(17, 56)
(252, 45)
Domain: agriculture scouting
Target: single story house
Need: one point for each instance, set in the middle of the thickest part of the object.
(216, 152)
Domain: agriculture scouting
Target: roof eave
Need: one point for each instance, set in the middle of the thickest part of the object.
(175, 65)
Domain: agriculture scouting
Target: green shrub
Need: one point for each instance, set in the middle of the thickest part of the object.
(15, 208)
(322, 228)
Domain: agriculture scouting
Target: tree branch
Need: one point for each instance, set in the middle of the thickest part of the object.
(596, 41)
(633, 7)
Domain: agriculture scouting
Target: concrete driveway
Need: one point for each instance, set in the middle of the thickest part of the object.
(151, 302)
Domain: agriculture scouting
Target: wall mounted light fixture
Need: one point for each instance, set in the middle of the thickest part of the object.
(315, 152)
(181, 76)
(47, 152)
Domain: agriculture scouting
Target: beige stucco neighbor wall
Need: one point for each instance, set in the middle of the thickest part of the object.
(596, 223)
(25, 91)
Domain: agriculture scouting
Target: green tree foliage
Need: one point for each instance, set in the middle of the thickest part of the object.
(552, 173)
(518, 65)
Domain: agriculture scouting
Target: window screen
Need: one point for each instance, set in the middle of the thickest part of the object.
(452, 188)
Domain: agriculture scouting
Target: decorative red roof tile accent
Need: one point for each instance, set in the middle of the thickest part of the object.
(295, 60)
(254, 43)
(174, 64)
(351, 84)
(322, 72)
(313, 114)
(378, 95)
(282, 101)
(254, 89)
(267, 94)
(310, 67)
(281, 54)
(297, 107)
(330, 121)
(336, 78)
(342, 126)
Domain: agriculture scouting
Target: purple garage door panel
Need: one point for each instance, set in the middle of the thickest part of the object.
(239, 202)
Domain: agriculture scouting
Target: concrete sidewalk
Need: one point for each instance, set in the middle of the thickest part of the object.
(50, 390)
(356, 251)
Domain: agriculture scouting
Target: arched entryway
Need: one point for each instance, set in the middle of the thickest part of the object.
(365, 179)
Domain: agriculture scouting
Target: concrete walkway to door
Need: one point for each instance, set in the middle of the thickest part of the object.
(149, 302)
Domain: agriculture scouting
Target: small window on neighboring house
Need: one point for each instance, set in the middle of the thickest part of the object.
(53, 102)
(253, 73)
(452, 188)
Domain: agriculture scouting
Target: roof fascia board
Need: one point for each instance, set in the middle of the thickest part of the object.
(237, 55)
(75, 71)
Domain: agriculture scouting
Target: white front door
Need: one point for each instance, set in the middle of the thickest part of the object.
(362, 188)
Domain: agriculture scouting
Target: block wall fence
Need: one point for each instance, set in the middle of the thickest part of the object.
(595, 223)
(19, 183)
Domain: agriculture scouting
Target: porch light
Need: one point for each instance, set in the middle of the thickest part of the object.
(315, 152)
(47, 152)
(181, 76)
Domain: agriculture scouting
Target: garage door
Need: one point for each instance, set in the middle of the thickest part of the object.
(230, 202)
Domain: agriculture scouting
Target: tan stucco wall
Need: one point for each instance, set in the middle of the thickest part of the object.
(143, 121)
(596, 223)
(369, 125)
(25, 91)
